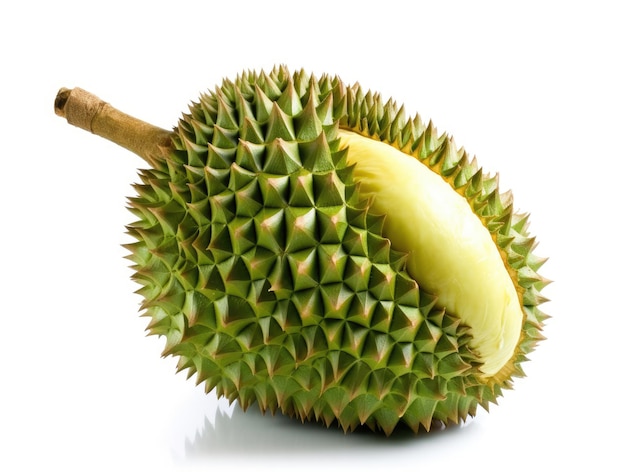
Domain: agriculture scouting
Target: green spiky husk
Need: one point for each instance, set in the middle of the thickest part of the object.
(269, 277)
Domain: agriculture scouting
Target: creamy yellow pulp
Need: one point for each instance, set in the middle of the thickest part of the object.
(450, 252)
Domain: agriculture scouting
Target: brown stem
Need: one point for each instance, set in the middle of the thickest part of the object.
(84, 110)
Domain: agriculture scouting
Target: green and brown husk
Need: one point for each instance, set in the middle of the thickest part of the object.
(268, 275)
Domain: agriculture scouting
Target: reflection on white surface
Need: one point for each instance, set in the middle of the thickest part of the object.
(208, 427)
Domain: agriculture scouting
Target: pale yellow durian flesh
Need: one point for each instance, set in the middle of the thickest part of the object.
(450, 252)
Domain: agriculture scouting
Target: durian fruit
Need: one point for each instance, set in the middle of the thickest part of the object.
(305, 246)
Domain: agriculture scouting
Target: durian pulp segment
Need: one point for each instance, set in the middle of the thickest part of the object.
(450, 252)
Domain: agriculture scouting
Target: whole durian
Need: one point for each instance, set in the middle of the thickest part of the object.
(307, 247)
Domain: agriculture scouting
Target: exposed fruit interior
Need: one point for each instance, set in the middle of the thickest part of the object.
(450, 252)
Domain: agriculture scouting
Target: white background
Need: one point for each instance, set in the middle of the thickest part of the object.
(534, 89)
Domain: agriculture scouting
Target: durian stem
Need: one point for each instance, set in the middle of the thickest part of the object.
(84, 110)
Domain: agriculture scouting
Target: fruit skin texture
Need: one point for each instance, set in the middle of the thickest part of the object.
(268, 276)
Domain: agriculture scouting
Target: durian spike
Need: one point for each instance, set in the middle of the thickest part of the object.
(87, 111)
